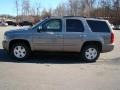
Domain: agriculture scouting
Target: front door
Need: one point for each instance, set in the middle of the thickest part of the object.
(50, 38)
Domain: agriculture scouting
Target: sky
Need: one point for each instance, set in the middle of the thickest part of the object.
(8, 6)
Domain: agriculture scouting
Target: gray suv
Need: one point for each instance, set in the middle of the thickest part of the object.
(87, 36)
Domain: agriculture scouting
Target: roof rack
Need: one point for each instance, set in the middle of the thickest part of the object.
(74, 16)
(79, 17)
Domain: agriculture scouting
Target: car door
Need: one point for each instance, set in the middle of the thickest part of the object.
(73, 35)
(50, 37)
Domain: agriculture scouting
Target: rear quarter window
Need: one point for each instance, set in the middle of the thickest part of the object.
(98, 26)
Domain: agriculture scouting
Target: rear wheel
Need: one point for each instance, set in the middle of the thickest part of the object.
(90, 53)
(20, 51)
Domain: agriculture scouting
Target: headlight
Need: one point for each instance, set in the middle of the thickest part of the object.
(5, 37)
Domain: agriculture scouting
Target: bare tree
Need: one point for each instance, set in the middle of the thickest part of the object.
(100, 8)
(60, 10)
(46, 13)
(88, 7)
(116, 9)
(74, 6)
(17, 9)
(25, 7)
(38, 6)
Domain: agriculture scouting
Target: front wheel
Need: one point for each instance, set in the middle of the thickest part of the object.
(20, 51)
(90, 53)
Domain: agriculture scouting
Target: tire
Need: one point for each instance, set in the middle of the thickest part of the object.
(90, 53)
(20, 51)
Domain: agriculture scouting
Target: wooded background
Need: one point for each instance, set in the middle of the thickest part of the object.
(107, 9)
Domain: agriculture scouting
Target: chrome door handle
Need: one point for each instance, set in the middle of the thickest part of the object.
(59, 35)
(83, 35)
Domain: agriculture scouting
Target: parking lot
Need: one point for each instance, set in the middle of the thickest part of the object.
(60, 72)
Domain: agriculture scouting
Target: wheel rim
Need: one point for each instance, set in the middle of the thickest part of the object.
(19, 52)
(91, 53)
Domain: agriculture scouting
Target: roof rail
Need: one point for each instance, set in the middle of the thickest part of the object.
(85, 17)
(77, 16)
(74, 16)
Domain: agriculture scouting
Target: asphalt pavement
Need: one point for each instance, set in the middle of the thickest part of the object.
(60, 72)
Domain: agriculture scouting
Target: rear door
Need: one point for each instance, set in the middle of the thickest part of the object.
(73, 35)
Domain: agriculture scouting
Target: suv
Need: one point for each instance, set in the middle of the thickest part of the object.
(87, 36)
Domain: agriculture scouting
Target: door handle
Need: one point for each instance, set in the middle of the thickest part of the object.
(83, 35)
(60, 36)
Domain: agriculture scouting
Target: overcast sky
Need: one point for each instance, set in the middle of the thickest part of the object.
(8, 6)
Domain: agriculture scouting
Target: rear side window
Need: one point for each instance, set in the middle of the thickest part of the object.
(98, 26)
(73, 25)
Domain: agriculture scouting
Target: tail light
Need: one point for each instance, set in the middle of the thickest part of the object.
(112, 37)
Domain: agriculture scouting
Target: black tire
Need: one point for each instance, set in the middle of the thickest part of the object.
(84, 51)
(27, 50)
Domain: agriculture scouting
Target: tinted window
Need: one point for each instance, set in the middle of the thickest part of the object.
(98, 26)
(54, 25)
(73, 25)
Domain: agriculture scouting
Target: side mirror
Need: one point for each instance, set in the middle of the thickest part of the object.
(39, 29)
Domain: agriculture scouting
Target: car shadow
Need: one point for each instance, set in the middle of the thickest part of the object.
(44, 58)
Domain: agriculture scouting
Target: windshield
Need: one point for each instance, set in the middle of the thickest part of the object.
(37, 24)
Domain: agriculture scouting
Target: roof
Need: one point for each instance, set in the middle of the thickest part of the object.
(75, 17)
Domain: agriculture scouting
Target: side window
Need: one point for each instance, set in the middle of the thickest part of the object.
(98, 26)
(73, 25)
(54, 25)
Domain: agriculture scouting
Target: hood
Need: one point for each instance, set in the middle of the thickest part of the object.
(17, 31)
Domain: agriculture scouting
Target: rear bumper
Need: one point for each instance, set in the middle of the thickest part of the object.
(107, 48)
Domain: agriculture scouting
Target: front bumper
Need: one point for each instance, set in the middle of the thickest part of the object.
(5, 45)
(107, 48)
